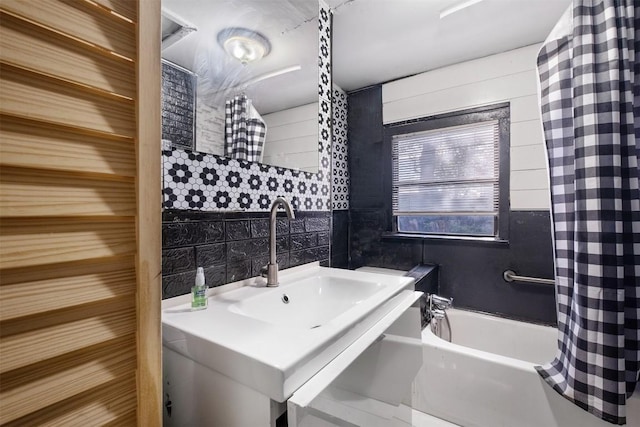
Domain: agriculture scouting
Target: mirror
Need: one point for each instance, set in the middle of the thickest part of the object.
(262, 102)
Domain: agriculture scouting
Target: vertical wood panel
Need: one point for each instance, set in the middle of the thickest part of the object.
(80, 213)
(149, 410)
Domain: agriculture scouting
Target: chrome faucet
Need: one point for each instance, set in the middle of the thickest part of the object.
(437, 312)
(270, 271)
(438, 302)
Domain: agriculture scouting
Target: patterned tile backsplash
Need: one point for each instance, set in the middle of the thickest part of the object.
(234, 246)
(206, 182)
(340, 159)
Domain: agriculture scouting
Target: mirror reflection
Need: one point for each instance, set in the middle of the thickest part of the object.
(253, 70)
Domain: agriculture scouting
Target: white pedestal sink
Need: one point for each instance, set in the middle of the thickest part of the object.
(263, 344)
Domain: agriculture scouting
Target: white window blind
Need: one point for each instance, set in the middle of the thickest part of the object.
(450, 171)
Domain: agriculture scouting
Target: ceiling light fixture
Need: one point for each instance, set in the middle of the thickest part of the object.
(457, 7)
(243, 44)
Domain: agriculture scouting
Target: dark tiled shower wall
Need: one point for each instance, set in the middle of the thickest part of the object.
(233, 246)
(470, 272)
(340, 239)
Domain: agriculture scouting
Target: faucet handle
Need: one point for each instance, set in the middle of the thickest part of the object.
(441, 301)
(437, 314)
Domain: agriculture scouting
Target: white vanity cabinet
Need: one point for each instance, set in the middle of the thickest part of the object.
(366, 383)
(228, 368)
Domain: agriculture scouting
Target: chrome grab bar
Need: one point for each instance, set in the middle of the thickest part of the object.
(511, 276)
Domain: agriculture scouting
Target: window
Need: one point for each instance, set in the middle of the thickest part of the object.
(450, 174)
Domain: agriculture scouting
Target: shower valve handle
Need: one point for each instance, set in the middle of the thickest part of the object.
(441, 302)
(437, 313)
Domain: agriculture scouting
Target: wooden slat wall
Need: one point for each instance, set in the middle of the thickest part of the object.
(79, 213)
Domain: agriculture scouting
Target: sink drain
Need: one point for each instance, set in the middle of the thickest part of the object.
(285, 298)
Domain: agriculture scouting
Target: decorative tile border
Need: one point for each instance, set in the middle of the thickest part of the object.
(340, 160)
(206, 182)
(197, 181)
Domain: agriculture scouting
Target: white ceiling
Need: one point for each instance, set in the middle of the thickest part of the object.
(290, 26)
(380, 40)
(374, 41)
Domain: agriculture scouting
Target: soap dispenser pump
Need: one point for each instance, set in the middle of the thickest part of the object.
(199, 292)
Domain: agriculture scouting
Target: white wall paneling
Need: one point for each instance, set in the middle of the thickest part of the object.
(527, 157)
(292, 138)
(530, 199)
(504, 77)
(209, 128)
(525, 132)
(529, 179)
(487, 68)
(468, 95)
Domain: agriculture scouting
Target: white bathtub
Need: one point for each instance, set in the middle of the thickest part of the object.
(486, 377)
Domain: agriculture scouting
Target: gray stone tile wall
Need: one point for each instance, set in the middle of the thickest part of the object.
(234, 246)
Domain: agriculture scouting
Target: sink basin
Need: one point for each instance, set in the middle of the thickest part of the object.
(308, 303)
(275, 339)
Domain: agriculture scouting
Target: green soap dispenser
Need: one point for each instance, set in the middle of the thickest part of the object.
(199, 292)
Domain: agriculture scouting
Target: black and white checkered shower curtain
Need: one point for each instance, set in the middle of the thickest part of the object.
(590, 101)
(243, 136)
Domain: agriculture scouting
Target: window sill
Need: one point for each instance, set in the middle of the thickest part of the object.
(446, 238)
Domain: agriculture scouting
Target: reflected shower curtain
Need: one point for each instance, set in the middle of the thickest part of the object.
(244, 131)
(590, 102)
